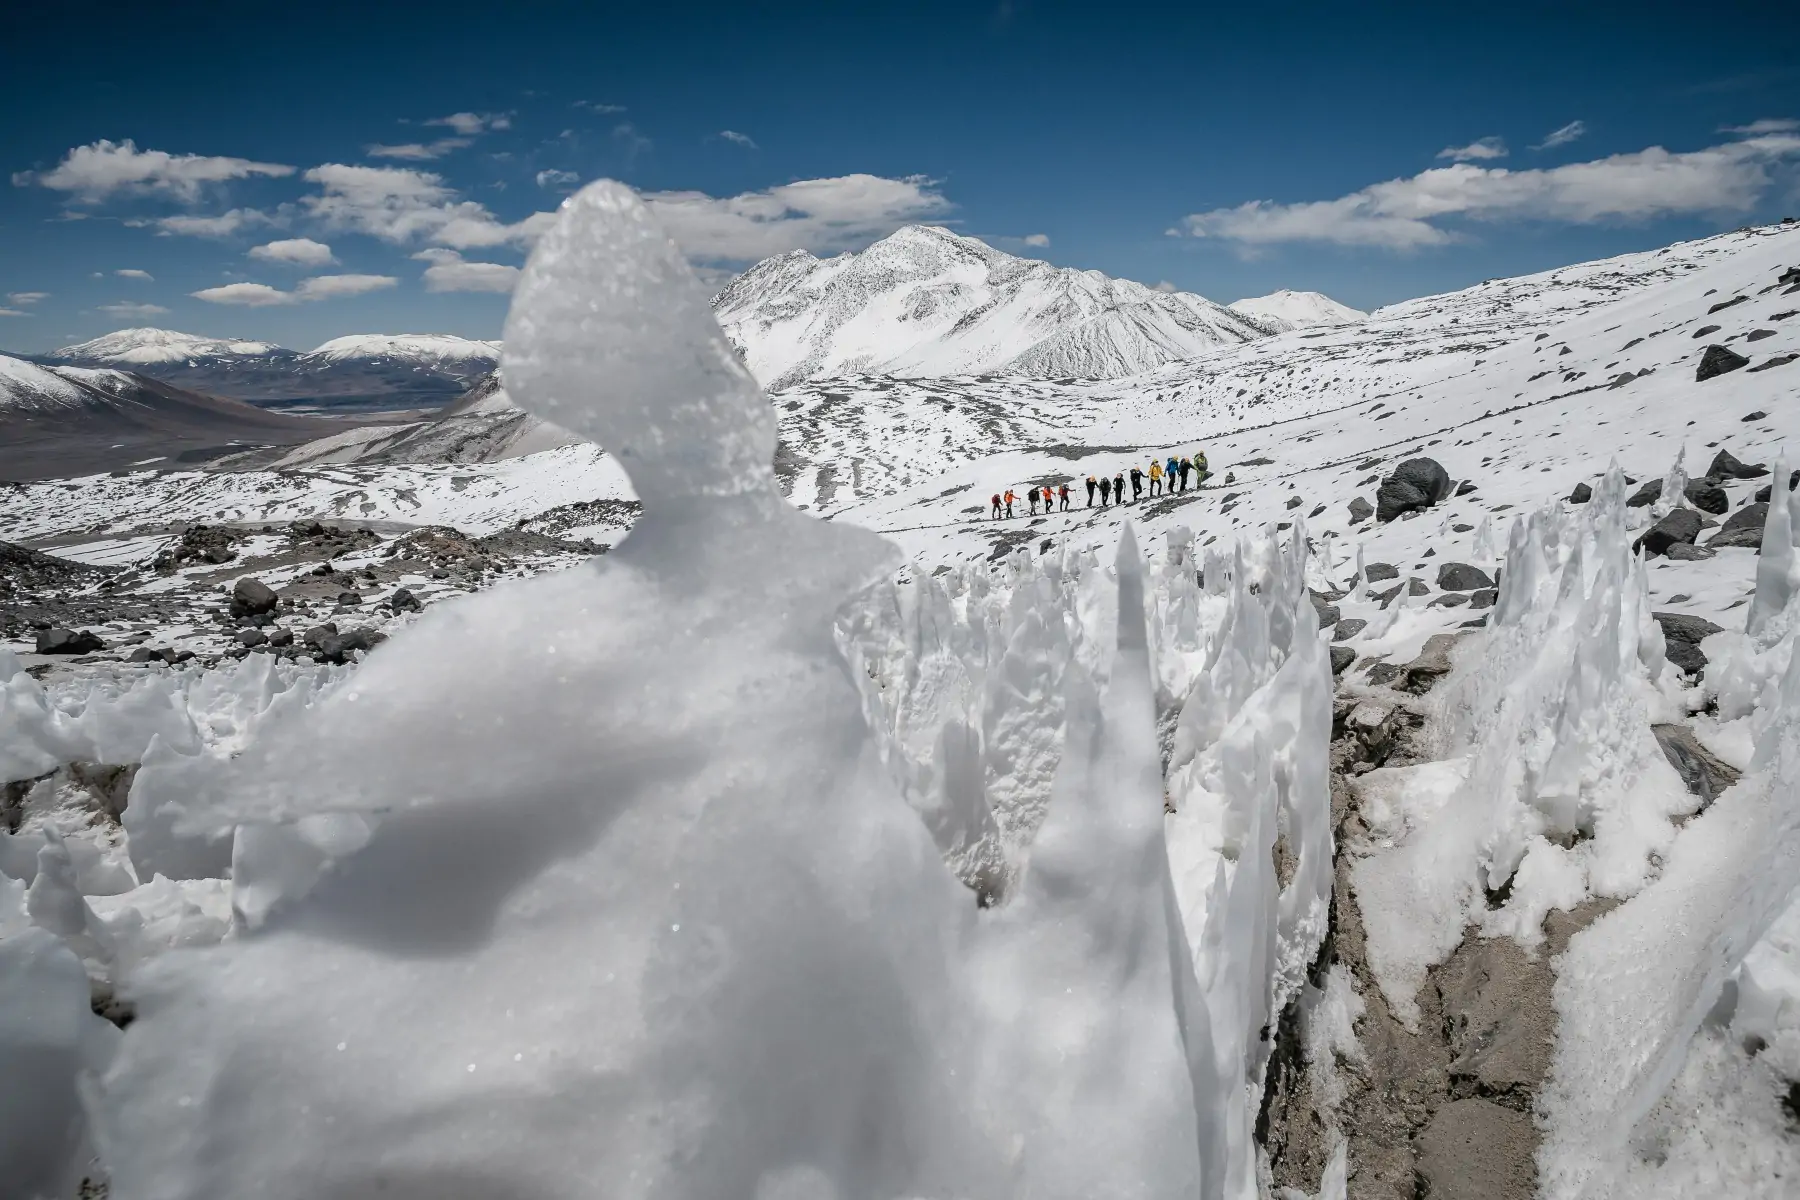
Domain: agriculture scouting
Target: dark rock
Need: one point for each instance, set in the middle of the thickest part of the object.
(1328, 612)
(337, 647)
(1649, 494)
(1381, 673)
(1461, 528)
(281, 637)
(252, 597)
(1705, 329)
(1347, 629)
(1432, 664)
(1317, 509)
(1465, 488)
(1757, 335)
(348, 599)
(1705, 774)
(1707, 497)
(1425, 474)
(1758, 415)
(1768, 489)
(1725, 466)
(1397, 497)
(1684, 656)
(1485, 598)
(404, 601)
(1451, 600)
(1461, 577)
(1375, 572)
(1417, 587)
(1682, 552)
(1360, 510)
(1769, 364)
(1295, 502)
(251, 638)
(143, 654)
(1743, 527)
(1717, 361)
(1582, 494)
(1341, 659)
(1680, 627)
(1681, 525)
(57, 640)
(1725, 304)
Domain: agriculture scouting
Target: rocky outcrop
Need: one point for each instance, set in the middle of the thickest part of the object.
(1680, 526)
(1717, 360)
(1414, 485)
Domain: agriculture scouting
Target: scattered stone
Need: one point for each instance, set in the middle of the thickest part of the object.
(1432, 664)
(1414, 485)
(1360, 510)
(1780, 360)
(337, 647)
(1347, 629)
(1582, 494)
(1681, 525)
(1725, 304)
(143, 654)
(1768, 489)
(1341, 659)
(1451, 600)
(1758, 415)
(1465, 488)
(1682, 635)
(1317, 509)
(1707, 497)
(1717, 361)
(249, 639)
(57, 640)
(1295, 502)
(1498, 1018)
(1461, 528)
(404, 601)
(1705, 774)
(281, 637)
(1743, 528)
(1726, 466)
(1461, 577)
(1417, 587)
(1682, 552)
(1382, 673)
(1375, 572)
(1328, 612)
(1757, 335)
(1485, 598)
(252, 597)
(198, 544)
(1647, 495)
(349, 599)
(1705, 329)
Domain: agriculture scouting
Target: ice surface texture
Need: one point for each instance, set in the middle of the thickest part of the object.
(614, 896)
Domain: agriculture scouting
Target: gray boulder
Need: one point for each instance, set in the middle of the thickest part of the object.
(1347, 629)
(1582, 494)
(1682, 525)
(57, 640)
(1682, 635)
(1375, 572)
(1360, 510)
(249, 639)
(1725, 466)
(1328, 612)
(1484, 598)
(1707, 497)
(404, 601)
(1341, 658)
(1682, 552)
(1705, 774)
(1768, 489)
(1717, 360)
(1647, 495)
(1743, 528)
(1394, 498)
(1461, 577)
(252, 598)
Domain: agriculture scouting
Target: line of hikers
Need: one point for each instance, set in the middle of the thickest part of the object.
(1168, 476)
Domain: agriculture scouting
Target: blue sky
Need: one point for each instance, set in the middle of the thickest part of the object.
(300, 172)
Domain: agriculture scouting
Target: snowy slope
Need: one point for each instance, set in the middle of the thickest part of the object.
(1282, 311)
(928, 302)
(438, 351)
(26, 387)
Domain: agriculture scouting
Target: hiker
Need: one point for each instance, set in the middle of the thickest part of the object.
(1200, 471)
(1137, 484)
(1031, 494)
(1009, 501)
(1092, 484)
(1171, 469)
(1062, 494)
(1186, 466)
(1156, 475)
(996, 515)
(1105, 491)
(1119, 488)
(1048, 497)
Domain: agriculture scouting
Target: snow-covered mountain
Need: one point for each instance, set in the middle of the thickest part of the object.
(74, 420)
(366, 370)
(926, 302)
(1285, 310)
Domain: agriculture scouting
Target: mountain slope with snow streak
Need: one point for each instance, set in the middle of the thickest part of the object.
(926, 302)
(1285, 310)
(146, 346)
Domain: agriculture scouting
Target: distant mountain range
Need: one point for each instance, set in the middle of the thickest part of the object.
(371, 371)
(63, 421)
(926, 302)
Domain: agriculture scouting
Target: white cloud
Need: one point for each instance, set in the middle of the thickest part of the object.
(739, 139)
(1403, 214)
(630, 140)
(134, 273)
(1164, 286)
(418, 151)
(330, 287)
(557, 179)
(450, 273)
(94, 172)
(227, 224)
(1478, 150)
(12, 312)
(470, 124)
(1563, 136)
(1766, 125)
(300, 252)
(602, 109)
(811, 214)
(133, 311)
(27, 299)
(1037, 239)
(400, 204)
(319, 287)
